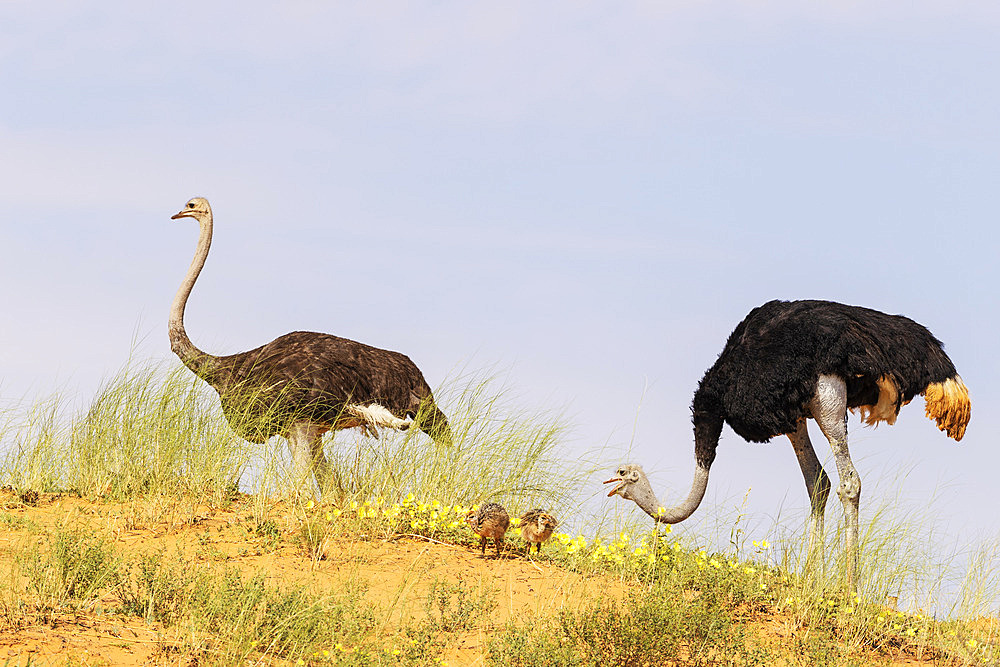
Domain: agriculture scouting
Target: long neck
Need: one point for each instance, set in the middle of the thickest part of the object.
(181, 345)
(707, 429)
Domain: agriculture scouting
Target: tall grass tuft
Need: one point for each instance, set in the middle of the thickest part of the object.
(147, 431)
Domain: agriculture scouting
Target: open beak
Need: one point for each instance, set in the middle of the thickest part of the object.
(618, 489)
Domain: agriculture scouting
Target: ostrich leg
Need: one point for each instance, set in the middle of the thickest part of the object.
(829, 408)
(305, 444)
(818, 486)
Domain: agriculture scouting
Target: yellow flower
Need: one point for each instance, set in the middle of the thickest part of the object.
(660, 511)
(972, 643)
(329, 516)
(309, 505)
(337, 512)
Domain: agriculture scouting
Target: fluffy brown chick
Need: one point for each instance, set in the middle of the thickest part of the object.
(536, 527)
(490, 522)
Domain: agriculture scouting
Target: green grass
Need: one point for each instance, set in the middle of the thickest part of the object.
(148, 431)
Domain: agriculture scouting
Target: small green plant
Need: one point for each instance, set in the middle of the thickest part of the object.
(455, 607)
(14, 522)
(73, 566)
(154, 589)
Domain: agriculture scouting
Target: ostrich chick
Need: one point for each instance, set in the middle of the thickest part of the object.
(489, 522)
(536, 527)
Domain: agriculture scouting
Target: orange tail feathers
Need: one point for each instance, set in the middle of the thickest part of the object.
(948, 404)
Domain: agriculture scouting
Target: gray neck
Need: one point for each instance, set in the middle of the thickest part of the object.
(707, 429)
(645, 498)
(181, 345)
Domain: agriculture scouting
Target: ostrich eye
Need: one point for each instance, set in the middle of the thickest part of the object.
(190, 204)
(621, 472)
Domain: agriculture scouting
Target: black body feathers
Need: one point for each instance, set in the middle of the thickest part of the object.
(767, 372)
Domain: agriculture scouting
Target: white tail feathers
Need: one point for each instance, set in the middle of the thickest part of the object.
(376, 415)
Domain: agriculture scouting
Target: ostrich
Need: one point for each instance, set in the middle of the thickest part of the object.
(303, 384)
(489, 522)
(791, 360)
(536, 527)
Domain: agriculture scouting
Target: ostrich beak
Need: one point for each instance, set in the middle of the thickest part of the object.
(179, 215)
(618, 489)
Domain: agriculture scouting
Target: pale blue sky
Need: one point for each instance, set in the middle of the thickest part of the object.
(589, 194)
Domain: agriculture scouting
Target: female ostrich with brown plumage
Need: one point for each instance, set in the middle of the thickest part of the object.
(303, 384)
(792, 360)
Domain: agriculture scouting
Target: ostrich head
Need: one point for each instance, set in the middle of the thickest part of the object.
(630, 479)
(634, 485)
(196, 208)
(545, 522)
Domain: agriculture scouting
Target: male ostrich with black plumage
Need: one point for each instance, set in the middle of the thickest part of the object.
(303, 384)
(791, 360)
